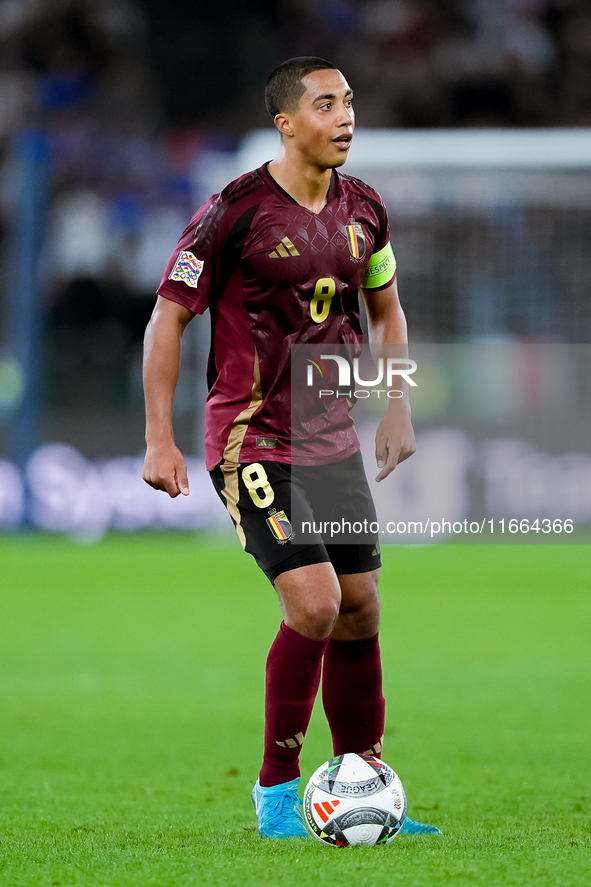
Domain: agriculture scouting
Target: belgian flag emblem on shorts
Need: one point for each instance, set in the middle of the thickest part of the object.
(280, 526)
(356, 240)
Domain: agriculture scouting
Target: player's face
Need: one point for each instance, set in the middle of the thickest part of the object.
(323, 124)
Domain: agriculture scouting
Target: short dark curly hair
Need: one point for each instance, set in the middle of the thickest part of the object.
(285, 88)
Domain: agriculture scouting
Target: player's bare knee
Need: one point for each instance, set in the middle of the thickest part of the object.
(363, 621)
(313, 618)
(324, 616)
(370, 608)
(359, 613)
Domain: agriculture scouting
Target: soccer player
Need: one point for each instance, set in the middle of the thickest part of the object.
(279, 257)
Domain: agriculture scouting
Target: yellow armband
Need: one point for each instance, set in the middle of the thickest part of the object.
(380, 269)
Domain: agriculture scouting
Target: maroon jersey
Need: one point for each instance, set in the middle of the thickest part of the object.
(274, 274)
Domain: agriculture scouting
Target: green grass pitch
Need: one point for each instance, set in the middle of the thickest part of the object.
(131, 687)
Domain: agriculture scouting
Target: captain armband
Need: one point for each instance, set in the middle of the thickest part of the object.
(380, 269)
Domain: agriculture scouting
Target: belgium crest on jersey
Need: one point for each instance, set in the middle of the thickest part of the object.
(356, 240)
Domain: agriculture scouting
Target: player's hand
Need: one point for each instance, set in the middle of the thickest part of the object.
(395, 440)
(165, 469)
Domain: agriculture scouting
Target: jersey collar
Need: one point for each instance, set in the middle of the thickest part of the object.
(333, 188)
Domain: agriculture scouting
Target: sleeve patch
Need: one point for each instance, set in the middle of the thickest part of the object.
(380, 269)
(187, 268)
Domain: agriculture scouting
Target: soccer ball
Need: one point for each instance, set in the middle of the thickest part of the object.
(354, 799)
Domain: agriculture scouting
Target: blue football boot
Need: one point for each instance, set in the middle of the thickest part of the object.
(279, 810)
(411, 827)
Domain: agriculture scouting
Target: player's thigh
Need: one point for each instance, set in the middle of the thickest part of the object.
(359, 590)
(339, 495)
(339, 492)
(259, 497)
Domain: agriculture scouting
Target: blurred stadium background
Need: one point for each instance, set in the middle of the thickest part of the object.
(119, 117)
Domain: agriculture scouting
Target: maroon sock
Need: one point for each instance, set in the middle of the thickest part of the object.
(293, 675)
(352, 695)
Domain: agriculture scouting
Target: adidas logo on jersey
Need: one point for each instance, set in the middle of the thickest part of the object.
(284, 250)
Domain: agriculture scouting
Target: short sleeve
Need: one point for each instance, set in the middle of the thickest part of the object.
(381, 267)
(192, 269)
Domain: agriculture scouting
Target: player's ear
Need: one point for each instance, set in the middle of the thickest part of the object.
(283, 124)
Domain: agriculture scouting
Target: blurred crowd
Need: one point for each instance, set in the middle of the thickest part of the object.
(76, 77)
(412, 63)
(131, 96)
(430, 63)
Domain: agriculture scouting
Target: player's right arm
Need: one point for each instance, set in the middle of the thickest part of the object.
(164, 465)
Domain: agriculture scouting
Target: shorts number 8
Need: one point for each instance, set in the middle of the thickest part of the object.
(257, 483)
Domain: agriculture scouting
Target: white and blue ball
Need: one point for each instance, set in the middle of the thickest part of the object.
(354, 799)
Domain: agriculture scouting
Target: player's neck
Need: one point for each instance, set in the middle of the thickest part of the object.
(305, 183)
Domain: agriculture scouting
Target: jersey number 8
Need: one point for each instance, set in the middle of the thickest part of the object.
(323, 293)
(257, 483)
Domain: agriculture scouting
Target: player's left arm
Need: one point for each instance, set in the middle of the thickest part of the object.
(395, 439)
